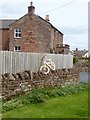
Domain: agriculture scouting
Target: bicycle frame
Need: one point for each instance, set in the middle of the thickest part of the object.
(48, 65)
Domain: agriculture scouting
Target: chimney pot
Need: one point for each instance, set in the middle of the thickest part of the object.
(31, 8)
(47, 18)
(31, 3)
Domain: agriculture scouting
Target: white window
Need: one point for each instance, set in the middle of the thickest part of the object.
(17, 48)
(17, 33)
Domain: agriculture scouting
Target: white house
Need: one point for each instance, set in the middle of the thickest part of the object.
(86, 55)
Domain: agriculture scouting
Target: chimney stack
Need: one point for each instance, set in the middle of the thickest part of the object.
(76, 49)
(47, 18)
(31, 8)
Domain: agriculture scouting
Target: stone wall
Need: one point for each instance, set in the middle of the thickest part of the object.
(21, 83)
(82, 66)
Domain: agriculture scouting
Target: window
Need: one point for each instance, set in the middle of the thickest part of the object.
(17, 48)
(17, 33)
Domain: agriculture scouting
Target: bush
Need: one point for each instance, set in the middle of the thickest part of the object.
(12, 104)
(36, 98)
(75, 60)
(40, 95)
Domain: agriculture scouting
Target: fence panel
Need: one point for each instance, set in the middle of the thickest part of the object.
(13, 62)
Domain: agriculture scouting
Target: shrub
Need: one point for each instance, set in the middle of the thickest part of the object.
(75, 60)
(11, 104)
(40, 95)
(36, 98)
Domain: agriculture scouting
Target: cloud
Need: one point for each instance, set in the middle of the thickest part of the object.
(75, 30)
(76, 37)
(15, 8)
(70, 20)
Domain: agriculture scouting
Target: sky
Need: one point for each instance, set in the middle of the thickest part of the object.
(69, 16)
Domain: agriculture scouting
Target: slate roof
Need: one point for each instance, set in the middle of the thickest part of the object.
(79, 53)
(41, 19)
(4, 24)
(50, 24)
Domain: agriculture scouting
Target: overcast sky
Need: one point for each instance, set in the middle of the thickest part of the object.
(69, 16)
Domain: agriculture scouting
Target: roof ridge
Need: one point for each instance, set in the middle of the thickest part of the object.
(7, 19)
(50, 24)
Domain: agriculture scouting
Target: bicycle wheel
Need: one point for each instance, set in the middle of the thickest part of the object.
(44, 69)
(52, 66)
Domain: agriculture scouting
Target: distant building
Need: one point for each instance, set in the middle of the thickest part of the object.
(80, 53)
(86, 55)
(32, 33)
(4, 34)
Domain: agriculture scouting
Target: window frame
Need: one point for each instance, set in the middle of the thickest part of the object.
(17, 50)
(18, 32)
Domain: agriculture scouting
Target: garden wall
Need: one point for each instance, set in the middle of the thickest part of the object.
(21, 83)
(82, 66)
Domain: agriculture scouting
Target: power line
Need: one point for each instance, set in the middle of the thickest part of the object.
(60, 7)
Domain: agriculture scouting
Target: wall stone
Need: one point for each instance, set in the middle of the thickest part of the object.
(22, 83)
(82, 66)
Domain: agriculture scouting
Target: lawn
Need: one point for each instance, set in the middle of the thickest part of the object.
(69, 106)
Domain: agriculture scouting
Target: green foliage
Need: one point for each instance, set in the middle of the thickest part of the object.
(11, 104)
(35, 98)
(42, 94)
(70, 106)
(75, 60)
(86, 61)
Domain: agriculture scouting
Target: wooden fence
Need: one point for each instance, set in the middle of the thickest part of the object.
(13, 62)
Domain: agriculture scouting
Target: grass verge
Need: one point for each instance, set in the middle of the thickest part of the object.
(68, 102)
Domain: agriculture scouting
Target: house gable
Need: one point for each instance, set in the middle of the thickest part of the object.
(32, 33)
(37, 35)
